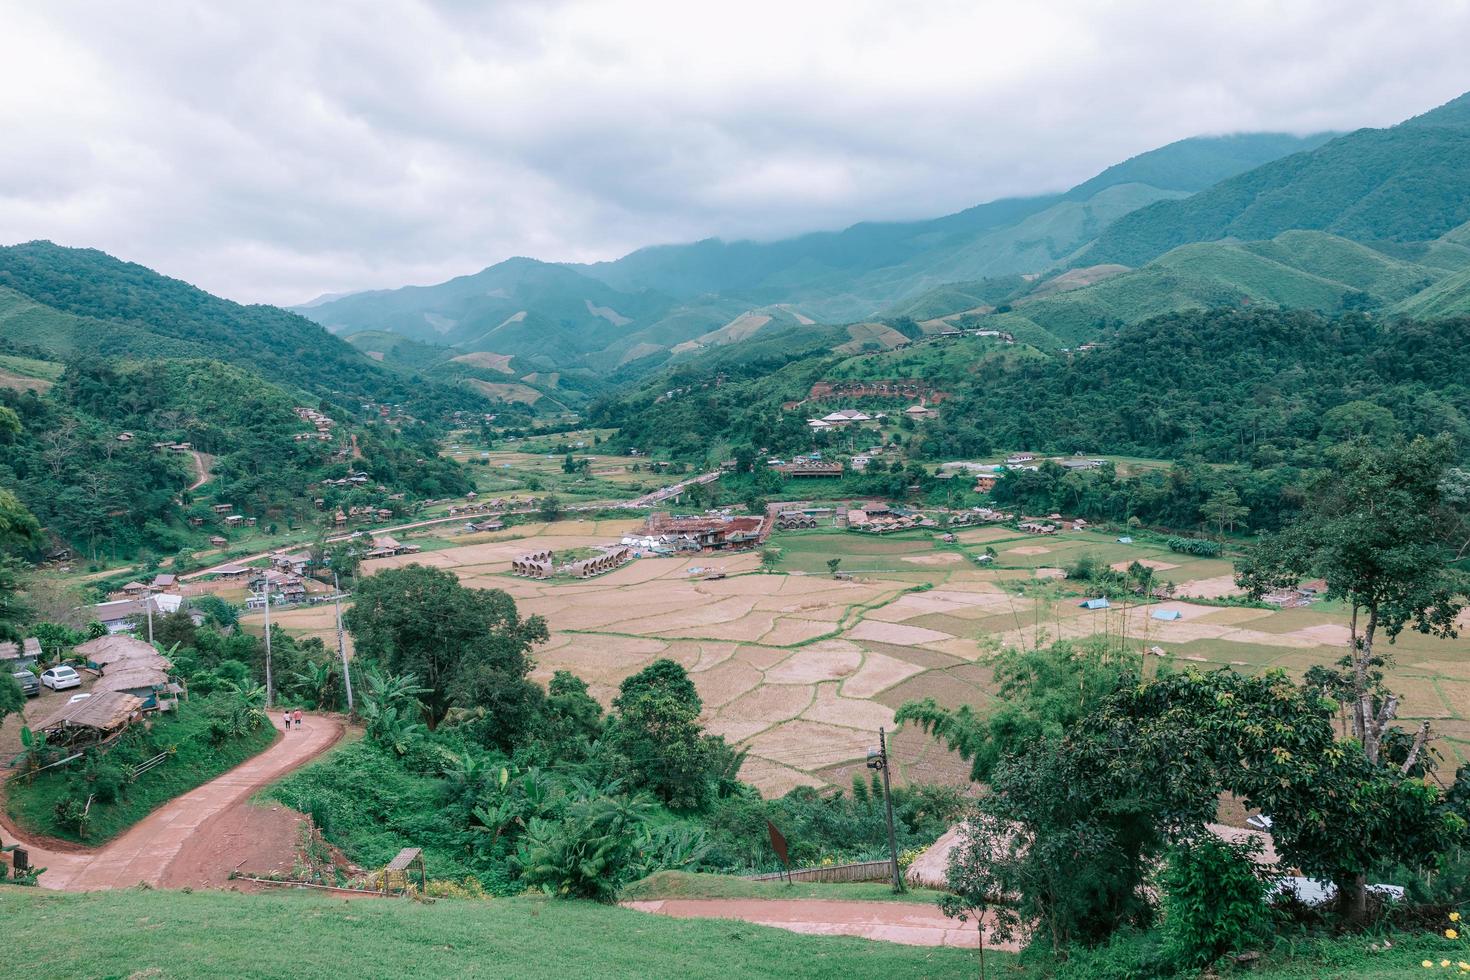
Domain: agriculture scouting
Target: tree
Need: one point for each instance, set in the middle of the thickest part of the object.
(832, 565)
(1224, 510)
(468, 647)
(663, 676)
(550, 507)
(770, 558)
(1371, 530)
(1040, 693)
(12, 698)
(657, 738)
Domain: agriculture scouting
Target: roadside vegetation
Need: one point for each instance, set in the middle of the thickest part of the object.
(205, 738)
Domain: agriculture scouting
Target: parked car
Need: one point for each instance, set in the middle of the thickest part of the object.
(28, 683)
(61, 678)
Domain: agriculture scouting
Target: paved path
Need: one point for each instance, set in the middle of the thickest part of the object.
(910, 923)
(149, 851)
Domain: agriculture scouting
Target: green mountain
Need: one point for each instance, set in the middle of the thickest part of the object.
(65, 302)
(661, 303)
(1403, 185)
(851, 273)
(1306, 270)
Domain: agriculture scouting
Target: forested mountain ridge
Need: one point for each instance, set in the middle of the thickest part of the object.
(115, 358)
(644, 307)
(67, 301)
(1403, 185)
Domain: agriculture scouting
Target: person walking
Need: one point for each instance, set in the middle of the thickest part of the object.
(286, 717)
(298, 717)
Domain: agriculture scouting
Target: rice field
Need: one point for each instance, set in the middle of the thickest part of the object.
(800, 669)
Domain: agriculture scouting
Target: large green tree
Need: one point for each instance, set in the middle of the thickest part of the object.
(1373, 530)
(657, 740)
(469, 647)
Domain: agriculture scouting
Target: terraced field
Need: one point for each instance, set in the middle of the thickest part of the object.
(801, 669)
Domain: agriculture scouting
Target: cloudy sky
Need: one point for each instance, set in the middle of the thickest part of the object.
(273, 151)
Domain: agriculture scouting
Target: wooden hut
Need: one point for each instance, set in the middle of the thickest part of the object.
(100, 717)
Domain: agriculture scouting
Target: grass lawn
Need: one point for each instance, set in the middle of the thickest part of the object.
(195, 761)
(682, 884)
(217, 934)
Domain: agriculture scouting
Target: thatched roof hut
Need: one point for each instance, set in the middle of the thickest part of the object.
(116, 650)
(99, 716)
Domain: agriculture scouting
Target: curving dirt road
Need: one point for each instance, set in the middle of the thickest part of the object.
(909, 923)
(195, 839)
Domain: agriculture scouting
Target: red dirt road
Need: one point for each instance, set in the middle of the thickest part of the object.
(909, 923)
(198, 838)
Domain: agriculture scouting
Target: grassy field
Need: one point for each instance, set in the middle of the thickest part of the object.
(194, 761)
(167, 934)
(174, 934)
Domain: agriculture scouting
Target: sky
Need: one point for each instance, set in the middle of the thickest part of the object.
(271, 152)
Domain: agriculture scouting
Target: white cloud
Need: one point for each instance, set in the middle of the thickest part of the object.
(274, 150)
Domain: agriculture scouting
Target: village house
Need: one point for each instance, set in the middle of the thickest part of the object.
(809, 468)
(706, 533)
(164, 582)
(386, 546)
(985, 482)
(920, 412)
(294, 563)
(19, 656)
(124, 615)
(218, 541)
(222, 508)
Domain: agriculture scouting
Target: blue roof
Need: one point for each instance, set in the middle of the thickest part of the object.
(1096, 604)
(1167, 614)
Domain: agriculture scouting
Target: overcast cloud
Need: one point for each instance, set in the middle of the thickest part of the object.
(272, 151)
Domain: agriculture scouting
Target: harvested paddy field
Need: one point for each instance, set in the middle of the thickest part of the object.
(799, 669)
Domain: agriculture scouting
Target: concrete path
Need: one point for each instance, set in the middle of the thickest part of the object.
(148, 851)
(909, 923)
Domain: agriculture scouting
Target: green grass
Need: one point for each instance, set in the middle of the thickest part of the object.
(682, 884)
(194, 762)
(173, 934)
(30, 367)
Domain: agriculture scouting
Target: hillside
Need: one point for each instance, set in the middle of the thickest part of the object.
(63, 302)
(1305, 270)
(666, 301)
(827, 269)
(85, 461)
(1409, 183)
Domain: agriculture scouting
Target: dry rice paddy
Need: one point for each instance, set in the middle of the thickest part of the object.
(800, 670)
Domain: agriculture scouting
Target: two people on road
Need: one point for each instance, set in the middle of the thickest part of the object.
(289, 716)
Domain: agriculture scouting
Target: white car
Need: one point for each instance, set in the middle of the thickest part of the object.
(61, 678)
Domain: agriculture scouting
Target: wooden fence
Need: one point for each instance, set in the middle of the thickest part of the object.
(862, 871)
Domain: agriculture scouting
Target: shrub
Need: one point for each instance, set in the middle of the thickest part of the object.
(1214, 899)
(1194, 546)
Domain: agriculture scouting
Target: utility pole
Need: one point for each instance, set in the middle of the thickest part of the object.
(878, 759)
(342, 644)
(270, 691)
(148, 609)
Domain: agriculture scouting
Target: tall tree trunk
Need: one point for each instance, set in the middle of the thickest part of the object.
(1354, 899)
